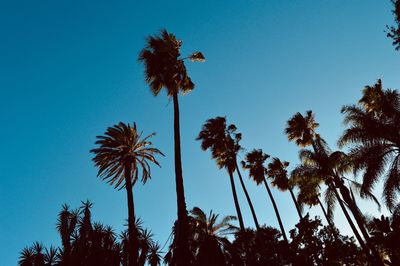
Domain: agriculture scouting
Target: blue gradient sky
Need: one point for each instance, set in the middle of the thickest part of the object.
(68, 69)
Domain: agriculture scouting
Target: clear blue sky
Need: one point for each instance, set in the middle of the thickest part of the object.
(68, 69)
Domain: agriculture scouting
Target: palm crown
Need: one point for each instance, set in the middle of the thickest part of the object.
(301, 128)
(277, 171)
(222, 140)
(374, 139)
(164, 68)
(254, 162)
(123, 149)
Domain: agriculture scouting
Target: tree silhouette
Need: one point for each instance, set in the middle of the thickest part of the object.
(92, 244)
(278, 173)
(165, 69)
(374, 139)
(122, 152)
(254, 161)
(301, 129)
(223, 140)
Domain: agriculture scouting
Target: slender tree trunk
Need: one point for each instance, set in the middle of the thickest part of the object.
(331, 226)
(235, 199)
(278, 216)
(253, 213)
(350, 221)
(296, 204)
(132, 237)
(344, 191)
(182, 249)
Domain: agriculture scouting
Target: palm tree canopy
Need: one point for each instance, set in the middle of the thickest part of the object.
(254, 162)
(222, 140)
(277, 171)
(163, 67)
(122, 148)
(301, 128)
(373, 127)
(209, 225)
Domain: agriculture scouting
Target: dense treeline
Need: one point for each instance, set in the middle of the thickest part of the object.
(324, 178)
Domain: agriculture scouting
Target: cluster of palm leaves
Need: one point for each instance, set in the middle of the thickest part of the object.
(90, 243)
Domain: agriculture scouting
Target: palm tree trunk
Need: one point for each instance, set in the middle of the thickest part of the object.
(182, 249)
(296, 204)
(278, 216)
(350, 221)
(253, 213)
(344, 191)
(235, 199)
(327, 218)
(133, 250)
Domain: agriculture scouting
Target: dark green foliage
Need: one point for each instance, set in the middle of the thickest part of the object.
(87, 243)
(317, 245)
(373, 135)
(394, 31)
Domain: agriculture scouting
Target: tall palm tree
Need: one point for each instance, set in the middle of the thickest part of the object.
(278, 173)
(220, 139)
(373, 135)
(331, 167)
(254, 162)
(165, 69)
(223, 141)
(121, 154)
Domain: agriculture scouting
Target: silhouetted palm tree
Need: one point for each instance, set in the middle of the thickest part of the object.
(373, 135)
(278, 173)
(210, 236)
(254, 162)
(222, 141)
(27, 257)
(165, 69)
(121, 154)
(301, 129)
(66, 224)
(154, 256)
(394, 31)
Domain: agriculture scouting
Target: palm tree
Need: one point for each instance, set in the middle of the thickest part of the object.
(278, 173)
(254, 162)
(223, 141)
(154, 256)
(330, 168)
(120, 154)
(301, 129)
(373, 135)
(210, 236)
(165, 69)
(26, 257)
(220, 139)
(66, 224)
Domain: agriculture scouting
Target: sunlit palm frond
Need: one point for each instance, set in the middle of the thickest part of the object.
(121, 152)
(301, 129)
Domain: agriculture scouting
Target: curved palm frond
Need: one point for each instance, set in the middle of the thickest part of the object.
(122, 148)
(301, 129)
(254, 162)
(163, 67)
